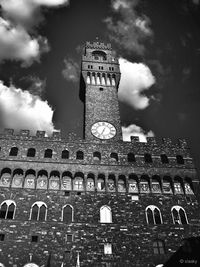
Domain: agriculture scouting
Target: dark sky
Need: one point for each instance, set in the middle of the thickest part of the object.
(163, 35)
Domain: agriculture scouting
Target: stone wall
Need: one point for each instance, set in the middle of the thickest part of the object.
(130, 235)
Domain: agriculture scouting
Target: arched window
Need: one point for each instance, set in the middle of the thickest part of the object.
(93, 78)
(105, 214)
(48, 153)
(158, 247)
(99, 55)
(179, 215)
(7, 209)
(153, 215)
(98, 79)
(31, 152)
(103, 80)
(114, 156)
(13, 151)
(88, 81)
(97, 156)
(179, 159)
(68, 214)
(38, 211)
(113, 80)
(79, 155)
(65, 154)
(131, 157)
(147, 158)
(164, 159)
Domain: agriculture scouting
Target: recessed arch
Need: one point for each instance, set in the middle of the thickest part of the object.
(67, 213)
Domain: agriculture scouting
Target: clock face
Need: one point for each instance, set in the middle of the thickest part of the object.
(103, 130)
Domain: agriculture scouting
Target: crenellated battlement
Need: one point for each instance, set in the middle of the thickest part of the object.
(57, 136)
(98, 45)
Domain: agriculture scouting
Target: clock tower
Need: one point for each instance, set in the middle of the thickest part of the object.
(101, 74)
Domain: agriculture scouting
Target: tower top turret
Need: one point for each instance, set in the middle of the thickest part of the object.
(98, 45)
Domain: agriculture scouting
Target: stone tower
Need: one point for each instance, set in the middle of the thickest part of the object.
(100, 70)
(96, 201)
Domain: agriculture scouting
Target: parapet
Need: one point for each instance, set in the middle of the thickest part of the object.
(98, 45)
(56, 136)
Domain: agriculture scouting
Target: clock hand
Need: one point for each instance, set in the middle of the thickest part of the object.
(103, 130)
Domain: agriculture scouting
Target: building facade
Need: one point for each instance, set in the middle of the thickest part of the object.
(97, 201)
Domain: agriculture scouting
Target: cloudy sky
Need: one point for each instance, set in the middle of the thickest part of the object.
(158, 45)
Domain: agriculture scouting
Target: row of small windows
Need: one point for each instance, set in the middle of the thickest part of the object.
(101, 79)
(38, 212)
(31, 152)
(112, 183)
(100, 67)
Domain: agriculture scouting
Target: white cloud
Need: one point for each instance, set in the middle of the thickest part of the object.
(135, 79)
(23, 11)
(22, 110)
(16, 43)
(143, 25)
(18, 16)
(130, 29)
(117, 4)
(134, 130)
(71, 71)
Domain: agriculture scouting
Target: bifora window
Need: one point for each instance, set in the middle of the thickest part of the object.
(178, 215)
(38, 211)
(153, 215)
(7, 209)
